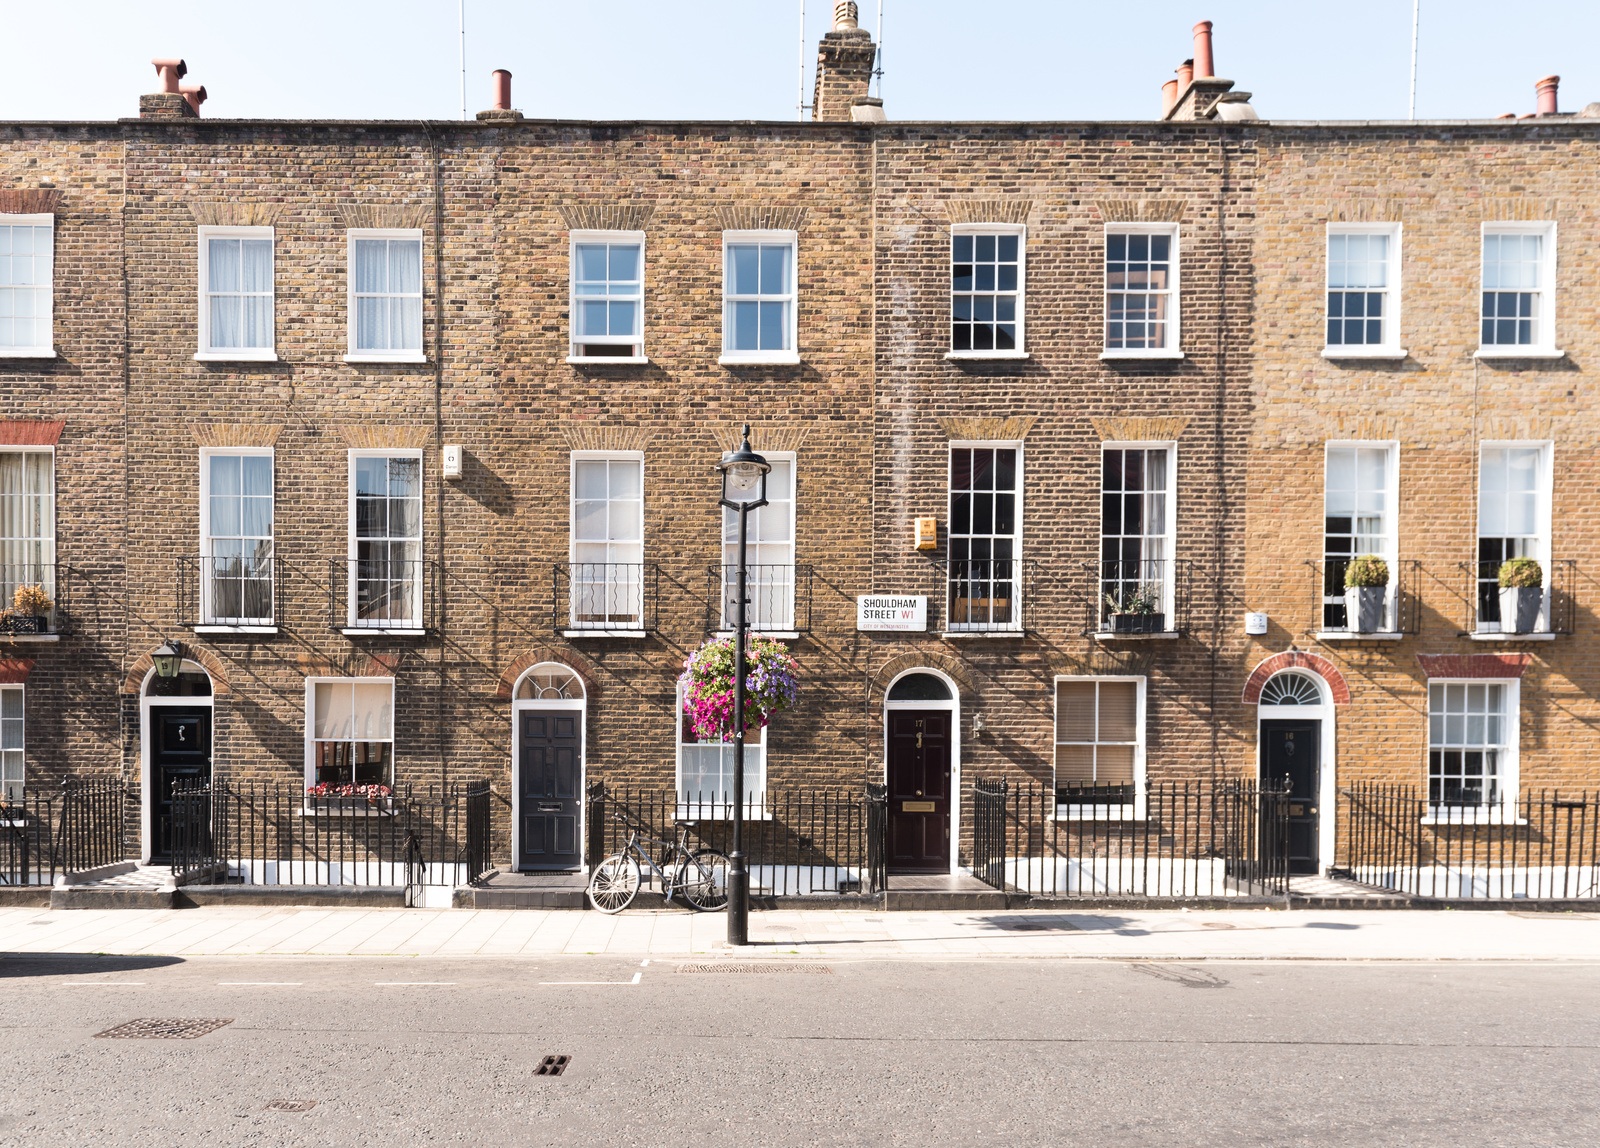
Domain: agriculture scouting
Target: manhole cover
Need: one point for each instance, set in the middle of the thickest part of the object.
(553, 1066)
(291, 1106)
(753, 967)
(165, 1028)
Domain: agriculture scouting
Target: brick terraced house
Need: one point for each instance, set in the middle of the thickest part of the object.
(404, 434)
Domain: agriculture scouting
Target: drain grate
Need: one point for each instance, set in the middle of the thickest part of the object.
(553, 1066)
(753, 967)
(291, 1106)
(165, 1028)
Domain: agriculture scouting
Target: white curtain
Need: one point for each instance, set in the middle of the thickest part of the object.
(388, 289)
(27, 521)
(353, 711)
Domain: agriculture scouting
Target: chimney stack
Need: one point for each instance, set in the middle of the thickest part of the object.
(1546, 90)
(1204, 68)
(500, 92)
(174, 101)
(844, 66)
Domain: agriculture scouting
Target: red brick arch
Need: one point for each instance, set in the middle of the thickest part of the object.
(531, 658)
(205, 658)
(1296, 658)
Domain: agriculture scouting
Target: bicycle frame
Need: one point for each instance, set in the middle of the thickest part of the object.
(675, 854)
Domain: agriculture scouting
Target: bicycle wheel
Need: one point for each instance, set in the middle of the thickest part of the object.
(614, 884)
(704, 880)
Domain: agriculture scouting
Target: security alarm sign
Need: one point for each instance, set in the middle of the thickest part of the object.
(905, 613)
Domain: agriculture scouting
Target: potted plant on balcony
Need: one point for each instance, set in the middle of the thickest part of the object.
(1521, 595)
(29, 612)
(1366, 593)
(1136, 610)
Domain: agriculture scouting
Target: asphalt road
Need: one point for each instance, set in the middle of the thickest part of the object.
(1013, 1052)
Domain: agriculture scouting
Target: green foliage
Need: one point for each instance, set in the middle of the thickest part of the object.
(1366, 571)
(1521, 574)
(1142, 599)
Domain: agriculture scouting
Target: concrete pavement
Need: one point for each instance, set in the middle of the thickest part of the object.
(851, 935)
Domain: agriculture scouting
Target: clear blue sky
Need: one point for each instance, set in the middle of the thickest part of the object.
(738, 59)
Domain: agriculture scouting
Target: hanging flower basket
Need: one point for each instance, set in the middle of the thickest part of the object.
(772, 682)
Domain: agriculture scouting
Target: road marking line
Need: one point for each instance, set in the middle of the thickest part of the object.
(645, 964)
(103, 984)
(413, 983)
(634, 981)
(286, 983)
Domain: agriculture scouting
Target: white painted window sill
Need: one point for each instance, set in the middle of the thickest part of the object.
(407, 357)
(779, 635)
(1497, 636)
(1357, 636)
(607, 361)
(241, 355)
(216, 629)
(995, 632)
(980, 356)
(604, 633)
(384, 631)
(1361, 352)
(27, 353)
(1509, 352)
(29, 637)
(1113, 355)
(1112, 636)
(775, 359)
(1494, 815)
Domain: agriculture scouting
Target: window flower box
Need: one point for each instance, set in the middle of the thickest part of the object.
(1151, 623)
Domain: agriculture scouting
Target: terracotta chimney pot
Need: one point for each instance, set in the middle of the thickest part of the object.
(1203, 65)
(1185, 75)
(170, 71)
(502, 90)
(1546, 89)
(1169, 97)
(194, 95)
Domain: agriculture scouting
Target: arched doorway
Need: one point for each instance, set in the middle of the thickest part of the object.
(547, 755)
(922, 770)
(175, 723)
(1295, 741)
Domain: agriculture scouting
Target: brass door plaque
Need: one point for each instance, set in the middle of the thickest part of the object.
(918, 806)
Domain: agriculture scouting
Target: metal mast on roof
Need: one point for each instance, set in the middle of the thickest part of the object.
(461, 23)
(800, 98)
(877, 66)
(1416, 16)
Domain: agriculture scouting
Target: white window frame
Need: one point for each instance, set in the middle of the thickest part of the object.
(48, 549)
(206, 352)
(1543, 543)
(577, 456)
(730, 558)
(207, 623)
(353, 621)
(1508, 771)
(790, 355)
(1391, 534)
(1169, 582)
(1390, 347)
(353, 353)
(1137, 811)
(311, 724)
(48, 350)
(1173, 349)
(712, 807)
(1020, 230)
(1544, 343)
(614, 239)
(967, 629)
(11, 790)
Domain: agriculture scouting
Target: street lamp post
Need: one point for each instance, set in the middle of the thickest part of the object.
(744, 488)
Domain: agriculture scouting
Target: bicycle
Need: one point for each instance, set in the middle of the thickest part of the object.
(701, 876)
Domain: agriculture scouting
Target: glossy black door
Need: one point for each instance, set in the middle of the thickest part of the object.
(180, 751)
(919, 791)
(549, 777)
(1293, 749)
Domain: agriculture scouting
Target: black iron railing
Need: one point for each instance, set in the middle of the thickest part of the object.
(987, 595)
(798, 842)
(34, 599)
(1402, 605)
(382, 594)
(1194, 838)
(1138, 596)
(1557, 611)
(779, 595)
(263, 833)
(243, 591)
(46, 833)
(1544, 844)
(604, 596)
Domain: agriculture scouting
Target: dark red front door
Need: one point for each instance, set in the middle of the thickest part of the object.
(919, 790)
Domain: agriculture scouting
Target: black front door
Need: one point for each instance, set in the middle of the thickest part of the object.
(180, 751)
(549, 777)
(919, 791)
(1293, 750)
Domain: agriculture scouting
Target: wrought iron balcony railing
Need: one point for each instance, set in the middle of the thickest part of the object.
(985, 595)
(1400, 611)
(382, 594)
(779, 598)
(1138, 597)
(1554, 613)
(230, 592)
(33, 599)
(604, 597)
